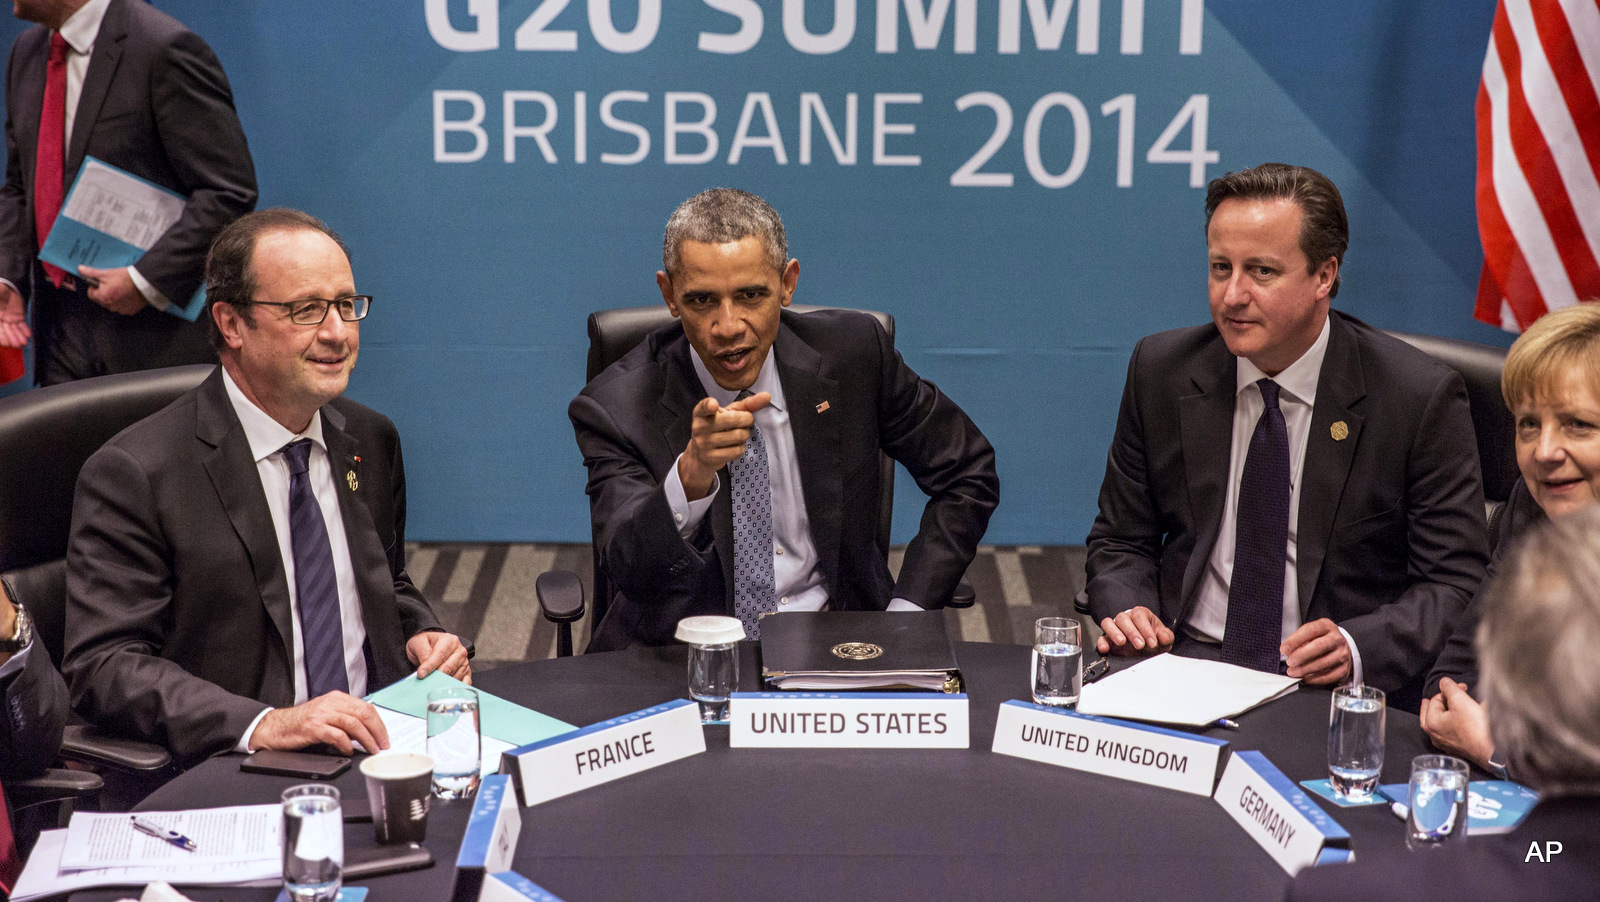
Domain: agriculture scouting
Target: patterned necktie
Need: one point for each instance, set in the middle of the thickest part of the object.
(49, 162)
(753, 582)
(316, 587)
(1260, 555)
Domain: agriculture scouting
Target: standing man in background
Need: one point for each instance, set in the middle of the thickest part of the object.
(124, 83)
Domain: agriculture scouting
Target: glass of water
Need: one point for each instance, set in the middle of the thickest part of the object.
(313, 842)
(1438, 813)
(453, 742)
(1355, 741)
(1057, 661)
(713, 662)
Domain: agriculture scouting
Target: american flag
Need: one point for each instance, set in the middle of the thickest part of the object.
(1539, 161)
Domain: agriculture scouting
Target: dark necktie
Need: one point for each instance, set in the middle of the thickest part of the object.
(316, 586)
(49, 165)
(1260, 554)
(753, 582)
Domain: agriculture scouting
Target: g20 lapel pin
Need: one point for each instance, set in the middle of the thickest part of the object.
(1340, 431)
(350, 479)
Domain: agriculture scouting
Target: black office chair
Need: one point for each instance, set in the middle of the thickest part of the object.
(612, 334)
(46, 435)
(1480, 366)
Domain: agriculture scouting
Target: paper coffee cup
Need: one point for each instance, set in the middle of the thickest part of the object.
(398, 789)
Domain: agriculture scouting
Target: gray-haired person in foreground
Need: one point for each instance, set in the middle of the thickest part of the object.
(1541, 683)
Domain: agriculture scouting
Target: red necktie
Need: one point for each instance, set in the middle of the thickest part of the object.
(10, 861)
(48, 168)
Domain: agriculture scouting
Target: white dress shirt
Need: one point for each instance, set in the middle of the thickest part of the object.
(267, 438)
(80, 31)
(796, 580)
(1297, 397)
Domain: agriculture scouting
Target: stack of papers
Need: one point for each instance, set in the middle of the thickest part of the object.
(239, 846)
(1184, 691)
(504, 725)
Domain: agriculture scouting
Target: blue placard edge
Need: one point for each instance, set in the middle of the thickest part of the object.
(603, 725)
(493, 793)
(526, 887)
(1112, 721)
(346, 894)
(1294, 795)
(847, 696)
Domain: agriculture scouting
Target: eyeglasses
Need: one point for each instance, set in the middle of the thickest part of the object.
(312, 311)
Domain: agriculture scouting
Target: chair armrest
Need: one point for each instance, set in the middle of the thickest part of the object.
(560, 596)
(91, 746)
(52, 786)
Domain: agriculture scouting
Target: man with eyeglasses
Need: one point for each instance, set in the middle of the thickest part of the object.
(236, 573)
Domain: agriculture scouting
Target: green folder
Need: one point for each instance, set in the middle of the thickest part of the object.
(503, 720)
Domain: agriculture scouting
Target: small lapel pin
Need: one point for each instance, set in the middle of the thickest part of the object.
(1340, 431)
(350, 479)
(821, 407)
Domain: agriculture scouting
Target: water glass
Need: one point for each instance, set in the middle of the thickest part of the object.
(1057, 661)
(313, 842)
(453, 742)
(1355, 741)
(1438, 813)
(713, 662)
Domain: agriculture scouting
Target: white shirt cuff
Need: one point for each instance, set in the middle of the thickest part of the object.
(152, 294)
(16, 662)
(685, 513)
(1355, 659)
(244, 741)
(900, 604)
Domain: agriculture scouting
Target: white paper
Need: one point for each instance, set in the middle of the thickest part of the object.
(122, 206)
(410, 734)
(242, 833)
(1178, 690)
(42, 876)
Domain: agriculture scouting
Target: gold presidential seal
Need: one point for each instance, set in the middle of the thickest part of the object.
(857, 651)
(1340, 431)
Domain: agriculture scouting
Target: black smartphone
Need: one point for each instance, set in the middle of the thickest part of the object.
(294, 764)
(377, 860)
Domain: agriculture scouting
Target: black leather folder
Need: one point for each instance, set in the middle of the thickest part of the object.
(860, 650)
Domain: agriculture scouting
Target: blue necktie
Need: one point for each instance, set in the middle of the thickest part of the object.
(1260, 554)
(316, 586)
(753, 582)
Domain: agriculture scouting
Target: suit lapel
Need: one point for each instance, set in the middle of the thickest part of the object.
(1206, 426)
(374, 581)
(1340, 385)
(102, 72)
(681, 391)
(817, 445)
(232, 469)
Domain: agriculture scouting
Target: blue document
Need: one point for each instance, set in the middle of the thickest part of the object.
(1493, 806)
(109, 219)
(346, 894)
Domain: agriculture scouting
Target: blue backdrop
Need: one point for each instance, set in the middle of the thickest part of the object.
(1023, 192)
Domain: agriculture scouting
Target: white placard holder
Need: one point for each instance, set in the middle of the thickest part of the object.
(1276, 813)
(850, 720)
(491, 838)
(1115, 748)
(606, 751)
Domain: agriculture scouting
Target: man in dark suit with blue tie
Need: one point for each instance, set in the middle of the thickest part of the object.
(1287, 486)
(236, 573)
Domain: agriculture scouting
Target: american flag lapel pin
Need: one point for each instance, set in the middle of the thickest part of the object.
(822, 407)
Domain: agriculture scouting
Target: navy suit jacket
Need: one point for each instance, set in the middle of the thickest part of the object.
(178, 616)
(1391, 533)
(634, 420)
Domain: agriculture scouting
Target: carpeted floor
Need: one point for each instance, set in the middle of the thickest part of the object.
(485, 591)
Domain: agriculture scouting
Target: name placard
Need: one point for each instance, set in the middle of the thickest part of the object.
(856, 720)
(1276, 813)
(606, 751)
(491, 838)
(511, 886)
(1115, 748)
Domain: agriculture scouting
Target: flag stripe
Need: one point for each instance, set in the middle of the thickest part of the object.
(1583, 17)
(1573, 79)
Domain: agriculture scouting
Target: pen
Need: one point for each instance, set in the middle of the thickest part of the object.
(162, 833)
(1227, 724)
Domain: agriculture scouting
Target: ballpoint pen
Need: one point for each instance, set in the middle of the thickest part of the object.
(162, 833)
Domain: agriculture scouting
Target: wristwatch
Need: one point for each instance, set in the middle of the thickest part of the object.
(23, 635)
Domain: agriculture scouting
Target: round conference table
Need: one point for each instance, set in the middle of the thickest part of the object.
(811, 824)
